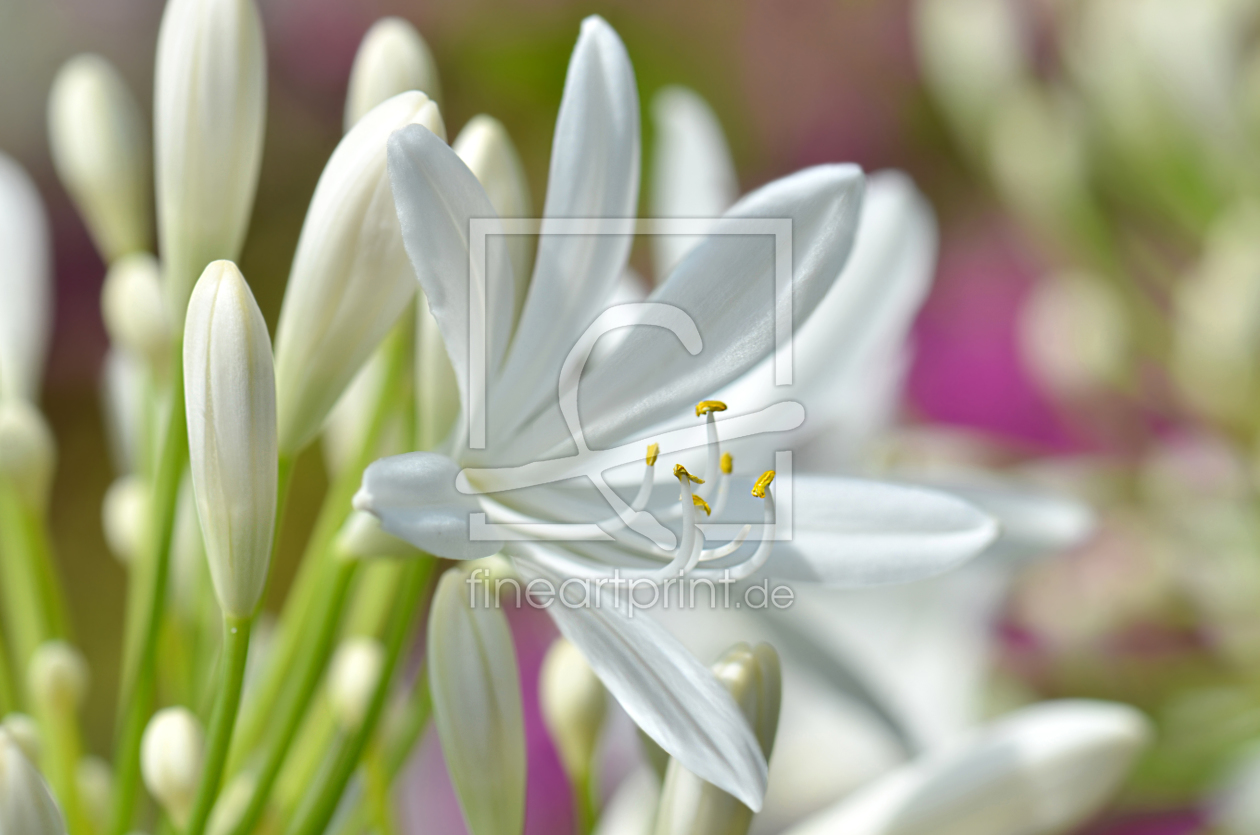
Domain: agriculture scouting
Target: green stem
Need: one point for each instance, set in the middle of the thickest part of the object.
(35, 534)
(322, 797)
(146, 607)
(310, 666)
(235, 654)
(299, 609)
(59, 728)
(25, 619)
(583, 803)
(8, 698)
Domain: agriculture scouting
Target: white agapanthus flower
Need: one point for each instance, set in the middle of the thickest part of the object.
(25, 284)
(720, 303)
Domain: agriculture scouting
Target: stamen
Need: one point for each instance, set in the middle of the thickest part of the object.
(653, 451)
(727, 549)
(751, 565)
(680, 472)
(759, 488)
(728, 463)
(705, 407)
(702, 504)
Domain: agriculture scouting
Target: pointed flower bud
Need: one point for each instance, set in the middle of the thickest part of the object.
(134, 308)
(487, 150)
(125, 517)
(351, 278)
(208, 112)
(25, 732)
(28, 453)
(353, 674)
(689, 805)
(573, 706)
(26, 805)
(25, 285)
(171, 754)
(57, 676)
(477, 707)
(101, 151)
(392, 59)
(230, 398)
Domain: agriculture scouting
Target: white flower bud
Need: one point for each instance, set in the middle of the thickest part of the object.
(95, 782)
(123, 392)
(230, 398)
(972, 52)
(125, 518)
(350, 279)
(209, 113)
(573, 705)
(487, 150)
(437, 387)
(477, 707)
(25, 732)
(171, 755)
(100, 149)
(362, 537)
(189, 571)
(28, 452)
(231, 805)
(57, 677)
(353, 674)
(25, 284)
(392, 59)
(26, 805)
(689, 805)
(1073, 334)
(134, 308)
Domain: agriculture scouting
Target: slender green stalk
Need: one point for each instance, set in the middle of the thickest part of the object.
(24, 616)
(235, 654)
(583, 804)
(146, 604)
(63, 748)
(8, 698)
(310, 665)
(34, 533)
(322, 797)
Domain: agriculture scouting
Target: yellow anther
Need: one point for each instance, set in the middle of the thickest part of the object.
(706, 406)
(681, 472)
(702, 504)
(728, 463)
(759, 488)
(653, 451)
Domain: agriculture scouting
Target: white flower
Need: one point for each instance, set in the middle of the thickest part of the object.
(392, 59)
(209, 114)
(28, 452)
(134, 309)
(477, 707)
(25, 284)
(230, 397)
(125, 518)
(57, 677)
(719, 302)
(353, 673)
(350, 279)
(100, 148)
(171, 755)
(26, 805)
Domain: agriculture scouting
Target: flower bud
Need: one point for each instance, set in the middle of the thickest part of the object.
(689, 805)
(171, 754)
(230, 398)
(477, 706)
(209, 112)
(350, 279)
(1074, 335)
(125, 518)
(134, 308)
(123, 394)
(28, 453)
(362, 537)
(392, 59)
(353, 674)
(437, 387)
(95, 782)
(25, 284)
(100, 149)
(487, 150)
(57, 677)
(25, 732)
(26, 805)
(573, 705)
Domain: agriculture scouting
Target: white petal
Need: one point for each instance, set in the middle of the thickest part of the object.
(1039, 770)
(692, 172)
(437, 198)
(1033, 523)
(25, 284)
(594, 174)
(851, 533)
(477, 707)
(846, 356)
(727, 286)
(665, 690)
(415, 498)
